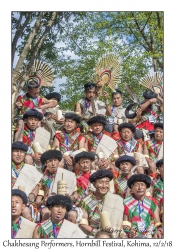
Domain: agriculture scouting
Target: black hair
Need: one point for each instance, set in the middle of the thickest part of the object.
(101, 232)
(97, 118)
(21, 194)
(117, 92)
(50, 154)
(32, 84)
(73, 117)
(59, 199)
(54, 95)
(101, 173)
(159, 163)
(89, 85)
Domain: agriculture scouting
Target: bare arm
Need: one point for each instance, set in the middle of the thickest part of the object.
(145, 150)
(86, 144)
(116, 151)
(152, 166)
(35, 191)
(108, 110)
(125, 217)
(56, 143)
(85, 228)
(50, 104)
(137, 118)
(108, 107)
(147, 103)
(35, 233)
(158, 234)
(78, 108)
(139, 149)
(82, 143)
(156, 214)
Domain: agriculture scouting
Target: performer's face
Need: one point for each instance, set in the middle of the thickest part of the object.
(90, 94)
(33, 92)
(125, 167)
(70, 125)
(17, 206)
(52, 165)
(18, 156)
(117, 100)
(97, 128)
(158, 134)
(58, 212)
(126, 134)
(32, 122)
(139, 189)
(102, 185)
(85, 165)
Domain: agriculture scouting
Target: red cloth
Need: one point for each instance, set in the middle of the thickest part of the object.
(154, 175)
(146, 125)
(115, 173)
(83, 180)
(115, 135)
(106, 133)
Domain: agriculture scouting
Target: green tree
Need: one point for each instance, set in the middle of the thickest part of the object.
(34, 37)
(136, 37)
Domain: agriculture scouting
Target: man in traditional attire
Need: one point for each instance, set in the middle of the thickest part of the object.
(127, 143)
(92, 204)
(115, 112)
(19, 150)
(70, 138)
(31, 99)
(150, 112)
(93, 138)
(89, 106)
(50, 159)
(125, 164)
(157, 183)
(51, 121)
(50, 162)
(26, 133)
(152, 148)
(19, 223)
(141, 211)
(58, 205)
(84, 159)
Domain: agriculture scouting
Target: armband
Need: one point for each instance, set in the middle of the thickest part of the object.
(126, 223)
(158, 224)
(84, 222)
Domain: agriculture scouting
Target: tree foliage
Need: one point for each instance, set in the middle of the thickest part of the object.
(74, 42)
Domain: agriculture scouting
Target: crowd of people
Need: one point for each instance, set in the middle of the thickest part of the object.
(115, 163)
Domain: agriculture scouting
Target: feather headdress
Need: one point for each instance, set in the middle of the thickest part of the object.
(108, 71)
(40, 72)
(154, 82)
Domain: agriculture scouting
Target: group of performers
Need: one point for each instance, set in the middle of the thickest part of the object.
(115, 166)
